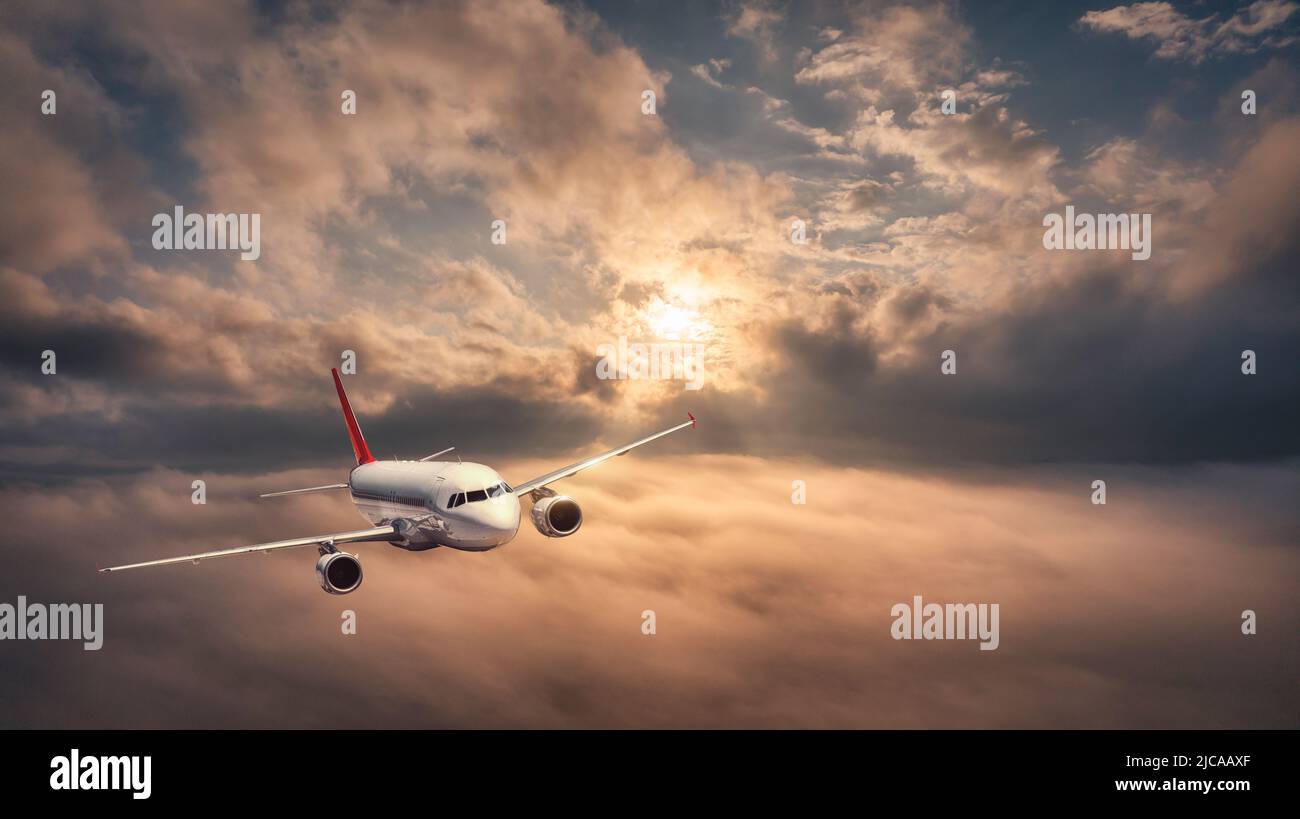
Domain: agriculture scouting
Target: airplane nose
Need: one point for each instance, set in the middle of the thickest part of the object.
(505, 514)
(499, 514)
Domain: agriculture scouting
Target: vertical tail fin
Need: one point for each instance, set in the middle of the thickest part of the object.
(359, 447)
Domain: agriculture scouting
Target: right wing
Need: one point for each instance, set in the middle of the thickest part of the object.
(377, 533)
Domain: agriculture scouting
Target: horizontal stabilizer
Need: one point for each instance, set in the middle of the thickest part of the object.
(305, 491)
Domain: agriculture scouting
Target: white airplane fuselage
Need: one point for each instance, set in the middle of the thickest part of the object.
(424, 494)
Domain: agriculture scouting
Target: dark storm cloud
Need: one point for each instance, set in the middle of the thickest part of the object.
(1096, 373)
(86, 347)
(479, 423)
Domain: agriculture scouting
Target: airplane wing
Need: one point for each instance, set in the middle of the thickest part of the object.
(572, 469)
(378, 533)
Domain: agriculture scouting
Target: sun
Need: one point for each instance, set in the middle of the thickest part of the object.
(676, 320)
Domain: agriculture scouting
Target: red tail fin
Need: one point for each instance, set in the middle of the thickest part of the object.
(359, 447)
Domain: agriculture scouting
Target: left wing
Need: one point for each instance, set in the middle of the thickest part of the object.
(378, 533)
(572, 469)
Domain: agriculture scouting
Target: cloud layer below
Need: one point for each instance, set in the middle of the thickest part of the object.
(768, 613)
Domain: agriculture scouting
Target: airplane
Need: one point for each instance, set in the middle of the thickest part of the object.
(418, 505)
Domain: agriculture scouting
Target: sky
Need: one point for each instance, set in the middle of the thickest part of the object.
(922, 234)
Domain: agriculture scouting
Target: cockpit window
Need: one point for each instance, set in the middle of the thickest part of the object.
(495, 491)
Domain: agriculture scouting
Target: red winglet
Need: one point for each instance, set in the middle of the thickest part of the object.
(692, 417)
(359, 447)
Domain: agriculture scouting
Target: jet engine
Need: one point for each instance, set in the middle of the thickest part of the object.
(557, 516)
(338, 572)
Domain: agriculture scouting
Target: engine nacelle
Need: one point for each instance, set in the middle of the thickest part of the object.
(557, 516)
(338, 572)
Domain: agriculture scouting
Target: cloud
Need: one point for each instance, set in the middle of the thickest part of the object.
(886, 74)
(63, 213)
(708, 72)
(758, 21)
(355, 207)
(1179, 37)
(768, 614)
(546, 633)
(899, 48)
(935, 217)
(985, 149)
